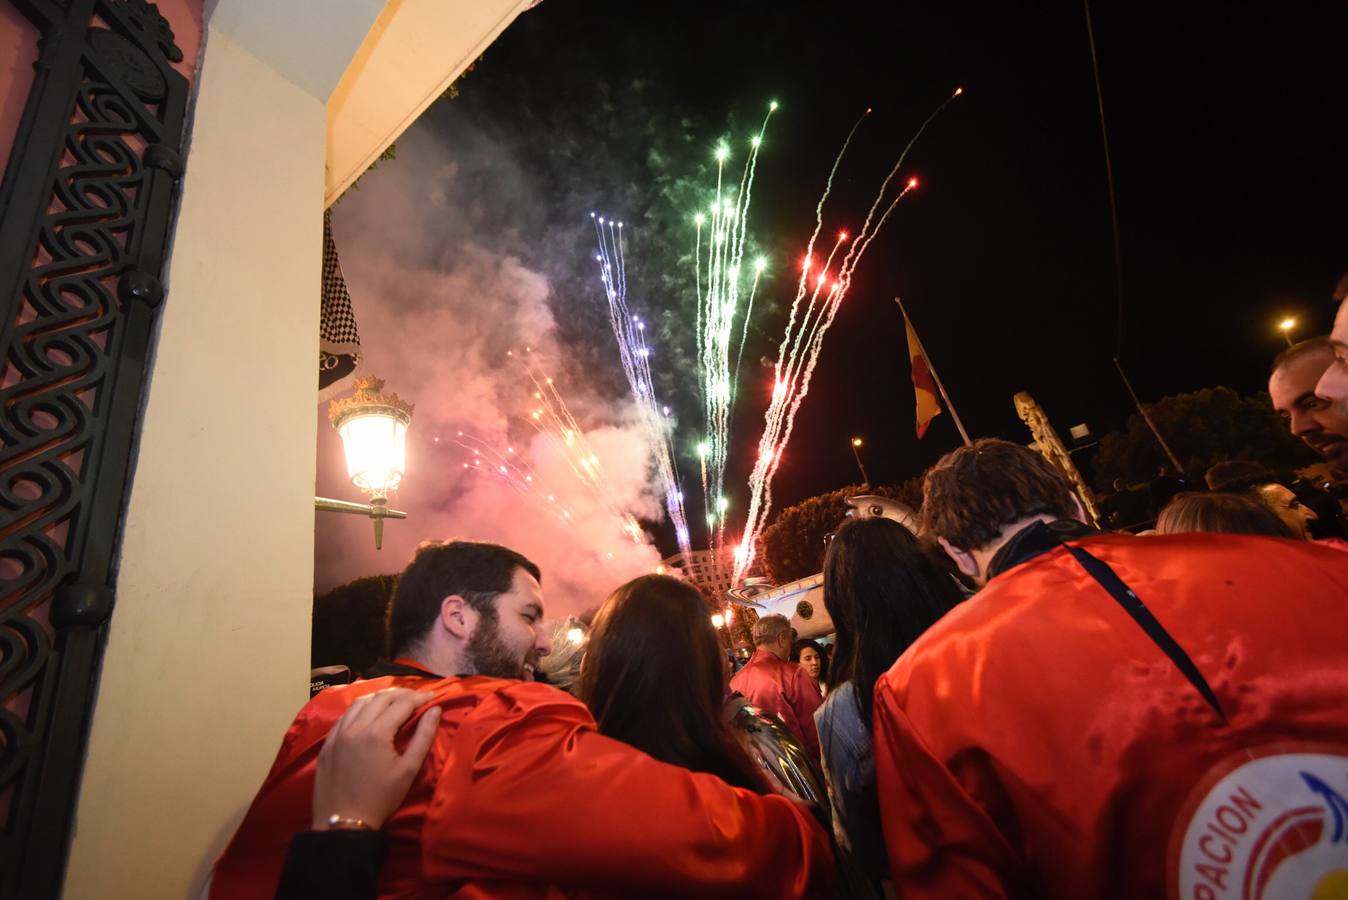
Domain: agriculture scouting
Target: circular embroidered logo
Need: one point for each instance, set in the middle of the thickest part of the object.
(1274, 827)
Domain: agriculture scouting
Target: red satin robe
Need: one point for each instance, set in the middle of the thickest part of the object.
(1038, 742)
(521, 797)
(783, 689)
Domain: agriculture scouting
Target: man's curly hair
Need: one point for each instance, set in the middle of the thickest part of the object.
(974, 492)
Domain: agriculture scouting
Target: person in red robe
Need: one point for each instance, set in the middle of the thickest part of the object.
(777, 686)
(1114, 716)
(519, 795)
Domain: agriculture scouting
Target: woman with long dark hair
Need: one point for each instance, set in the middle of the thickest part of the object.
(882, 590)
(654, 677)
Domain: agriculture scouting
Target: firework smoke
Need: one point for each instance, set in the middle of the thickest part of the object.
(442, 294)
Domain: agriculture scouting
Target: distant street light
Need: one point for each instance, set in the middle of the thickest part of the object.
(856, 454)
(1286, 326)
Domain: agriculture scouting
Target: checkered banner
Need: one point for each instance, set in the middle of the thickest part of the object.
(338, 339)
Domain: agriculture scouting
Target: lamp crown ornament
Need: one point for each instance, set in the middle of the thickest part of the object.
(368, 399)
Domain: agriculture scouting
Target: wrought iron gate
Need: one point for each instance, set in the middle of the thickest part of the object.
(85, 212)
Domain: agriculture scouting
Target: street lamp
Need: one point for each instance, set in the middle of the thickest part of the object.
(373, 427)
(1286, 326)
(856, 454)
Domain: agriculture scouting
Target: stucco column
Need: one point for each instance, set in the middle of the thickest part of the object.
(208, 652)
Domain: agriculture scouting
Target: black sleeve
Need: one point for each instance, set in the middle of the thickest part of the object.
(340, 864)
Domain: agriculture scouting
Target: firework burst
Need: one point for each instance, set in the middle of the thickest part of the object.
(552, 419)
(635, 352)
(510, 468)
(721, 282)
(820, 291)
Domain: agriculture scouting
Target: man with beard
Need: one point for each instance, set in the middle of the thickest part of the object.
(1319, 423)
(519, 794)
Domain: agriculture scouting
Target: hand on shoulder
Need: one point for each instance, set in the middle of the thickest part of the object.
(361, 777)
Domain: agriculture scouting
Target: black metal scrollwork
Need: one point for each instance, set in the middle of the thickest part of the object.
(85, 210)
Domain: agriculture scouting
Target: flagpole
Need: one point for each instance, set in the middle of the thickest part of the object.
(931, 366)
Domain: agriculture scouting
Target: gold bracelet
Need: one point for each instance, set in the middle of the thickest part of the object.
(343, 823)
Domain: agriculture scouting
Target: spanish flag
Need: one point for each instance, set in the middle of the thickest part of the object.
(924, 386)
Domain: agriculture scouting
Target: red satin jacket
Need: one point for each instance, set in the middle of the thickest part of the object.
(783, 689)
(521, 797)
(1038, 742)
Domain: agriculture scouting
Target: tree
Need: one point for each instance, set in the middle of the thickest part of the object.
(793, 545)
(910, 492)
(1202, 428)
(350, 623)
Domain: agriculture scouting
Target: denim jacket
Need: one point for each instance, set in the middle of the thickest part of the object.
(849, 771)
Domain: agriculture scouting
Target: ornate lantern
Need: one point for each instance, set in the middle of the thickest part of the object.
(373, 427)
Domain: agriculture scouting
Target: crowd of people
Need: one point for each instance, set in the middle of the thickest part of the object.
(1041, 710)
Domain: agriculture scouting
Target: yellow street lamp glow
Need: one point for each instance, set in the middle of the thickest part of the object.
(373, 427)
(1286, 326)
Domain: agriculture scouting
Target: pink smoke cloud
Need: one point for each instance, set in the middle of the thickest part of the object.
(439, 306)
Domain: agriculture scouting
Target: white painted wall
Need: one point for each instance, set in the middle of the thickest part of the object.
(208, 653)
(207, 659)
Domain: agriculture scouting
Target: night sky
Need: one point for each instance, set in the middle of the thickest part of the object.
(1228, 139)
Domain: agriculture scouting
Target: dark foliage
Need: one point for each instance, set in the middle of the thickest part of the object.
(350, 623)
(1202, 427)
(793, 545)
